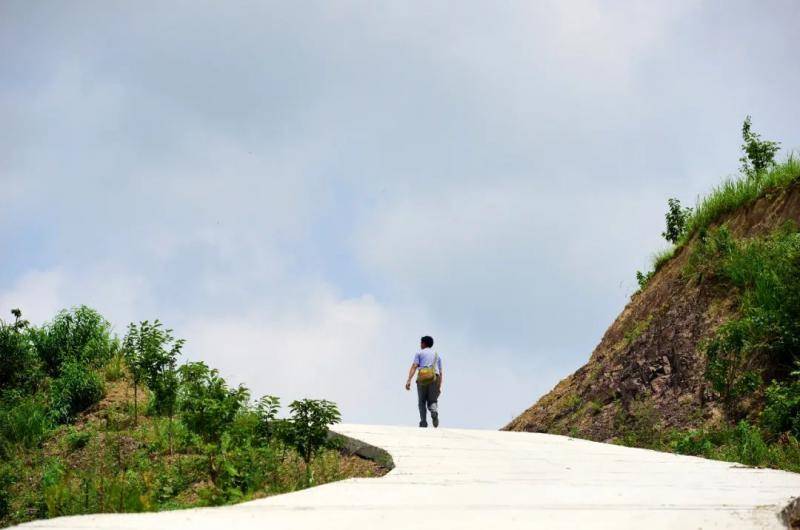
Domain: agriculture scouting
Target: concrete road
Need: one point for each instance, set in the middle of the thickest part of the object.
(489, 480)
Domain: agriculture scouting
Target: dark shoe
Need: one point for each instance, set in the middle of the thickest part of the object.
(423, 424)
(435, 420)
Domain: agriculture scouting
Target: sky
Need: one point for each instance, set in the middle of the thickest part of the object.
(303, 189)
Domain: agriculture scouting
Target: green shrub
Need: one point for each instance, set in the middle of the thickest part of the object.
(208, 406)
(80, 335)
(758, 155)
(676, 218)
(694, 442)
(750, 446)
(77, 389)
(643, 278)
(19, 364)
(782, 407)
(25, 421)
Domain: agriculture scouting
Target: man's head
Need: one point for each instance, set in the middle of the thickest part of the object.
(426, 342)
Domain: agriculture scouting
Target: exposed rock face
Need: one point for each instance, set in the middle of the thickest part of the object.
(650, 356)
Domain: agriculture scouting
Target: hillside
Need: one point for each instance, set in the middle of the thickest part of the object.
(702, 358)
(77, 435)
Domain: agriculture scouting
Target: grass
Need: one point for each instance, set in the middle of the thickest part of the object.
(735, 192)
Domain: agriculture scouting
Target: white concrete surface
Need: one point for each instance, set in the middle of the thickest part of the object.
(469, 479)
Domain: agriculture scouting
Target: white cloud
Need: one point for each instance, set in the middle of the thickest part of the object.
(36, 293)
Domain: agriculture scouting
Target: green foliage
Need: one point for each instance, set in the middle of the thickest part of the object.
(19, 364)
(694, 442)
(221, 449)
(734, 193)
(308, 429)
(79, 336)
(6, 480)
(151, 353)
(24, 420)
(764, 272)
(208, 406)
(782, 406)
(749, 445)
(77, 439)
(730, 367)
(643, 278)
(676, 218)
(74, 391)
(758, 155)
(267, 410)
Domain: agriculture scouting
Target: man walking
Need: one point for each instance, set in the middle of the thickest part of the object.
(429, 381)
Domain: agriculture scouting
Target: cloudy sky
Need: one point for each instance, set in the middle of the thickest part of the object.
(303, 189)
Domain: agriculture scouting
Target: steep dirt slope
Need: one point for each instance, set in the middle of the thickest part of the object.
(648, 362)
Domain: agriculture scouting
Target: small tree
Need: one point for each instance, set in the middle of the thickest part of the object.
(151, 353)
(209, 407)
(307, 430)
(759, 154)
(676, 218)
(267, 410)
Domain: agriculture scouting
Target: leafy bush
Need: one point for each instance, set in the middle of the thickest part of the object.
(694, 442)
(19, 364)
(782, 407)
(208, 406)
(676, 218)
(24, 420)
(750, 446)
(81, 336)
(77, 389)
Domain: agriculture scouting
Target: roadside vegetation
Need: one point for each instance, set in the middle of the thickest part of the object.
(93, 423)
(752, 359)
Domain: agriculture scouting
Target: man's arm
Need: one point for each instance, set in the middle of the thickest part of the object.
(411, 372)
(441, 376)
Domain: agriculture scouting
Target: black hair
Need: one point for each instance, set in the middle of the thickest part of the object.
(427, 341)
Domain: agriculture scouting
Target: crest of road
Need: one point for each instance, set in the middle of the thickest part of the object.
(473, 479)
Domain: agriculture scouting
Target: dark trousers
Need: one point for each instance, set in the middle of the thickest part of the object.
(428, 398)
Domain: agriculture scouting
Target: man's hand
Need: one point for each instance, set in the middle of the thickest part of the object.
(408, 385)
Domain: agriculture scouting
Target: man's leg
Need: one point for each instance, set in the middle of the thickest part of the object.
(433, 402)
(422, 397)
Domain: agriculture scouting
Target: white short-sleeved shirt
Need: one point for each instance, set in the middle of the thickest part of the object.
(425, 358)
